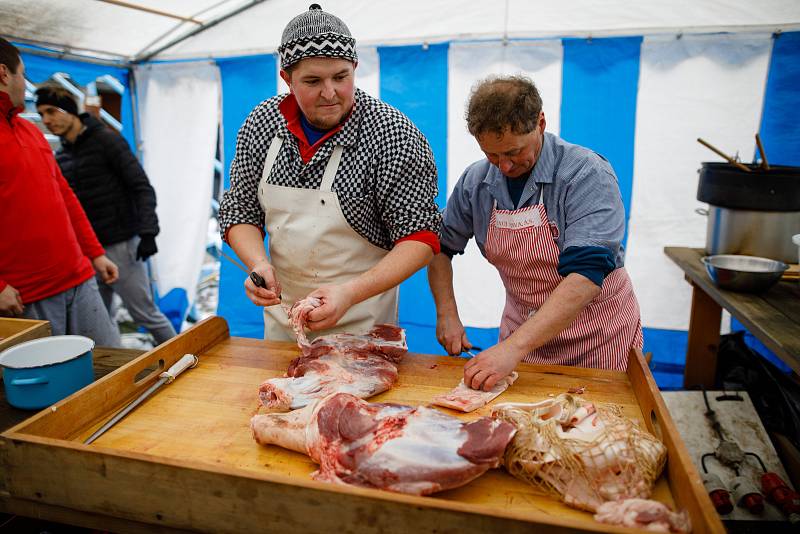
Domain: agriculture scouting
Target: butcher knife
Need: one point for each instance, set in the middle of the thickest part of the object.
(167, 377)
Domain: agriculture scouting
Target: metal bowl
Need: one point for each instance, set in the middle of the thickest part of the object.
(749, 274)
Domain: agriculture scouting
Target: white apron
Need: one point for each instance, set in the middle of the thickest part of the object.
(522, 246)
(311, 244)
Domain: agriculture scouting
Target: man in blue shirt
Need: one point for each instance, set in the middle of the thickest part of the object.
(549, 216)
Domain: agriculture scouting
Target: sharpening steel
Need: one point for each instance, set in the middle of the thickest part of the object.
(186, 362)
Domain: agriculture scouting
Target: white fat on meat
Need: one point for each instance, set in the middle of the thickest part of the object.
(389, 446)
(644, 514)
(466, 399)
(362, 374)
(362, 365)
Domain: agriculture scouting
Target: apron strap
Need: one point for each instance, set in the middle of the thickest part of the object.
(331, 168)
(272, 155)
(541, 193)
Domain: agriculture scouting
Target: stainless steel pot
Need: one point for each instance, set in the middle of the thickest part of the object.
(767, 234)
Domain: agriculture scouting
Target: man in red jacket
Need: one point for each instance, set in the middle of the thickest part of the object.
(48, 251)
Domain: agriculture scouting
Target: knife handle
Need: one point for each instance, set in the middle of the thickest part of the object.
(187, 361)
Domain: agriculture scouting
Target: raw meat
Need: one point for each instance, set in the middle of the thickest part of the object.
(643, 513)
(584, 454)
(466, 399)
(362, 365)
(361, 373)
(387, 446)
(298, 317)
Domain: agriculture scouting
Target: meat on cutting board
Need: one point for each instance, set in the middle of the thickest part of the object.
(362, 365)
(387, 446)
(466, 399)
(643, 514)
(585, 454)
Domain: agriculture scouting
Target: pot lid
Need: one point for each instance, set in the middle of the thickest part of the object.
(45, 351)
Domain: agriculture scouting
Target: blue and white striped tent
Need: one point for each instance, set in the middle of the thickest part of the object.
(638, 83)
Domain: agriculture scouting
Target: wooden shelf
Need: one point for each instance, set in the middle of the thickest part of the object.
(773, 317)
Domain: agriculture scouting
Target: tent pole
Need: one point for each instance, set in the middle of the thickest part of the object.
(158, 12)
(121, 63)
(209, 24)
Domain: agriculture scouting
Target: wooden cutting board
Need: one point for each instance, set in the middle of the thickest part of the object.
(205, 415)
(200, 424)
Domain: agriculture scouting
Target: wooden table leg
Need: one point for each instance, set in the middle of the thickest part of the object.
(701, 352)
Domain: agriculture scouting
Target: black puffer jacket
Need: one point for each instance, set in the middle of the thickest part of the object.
(109, 182)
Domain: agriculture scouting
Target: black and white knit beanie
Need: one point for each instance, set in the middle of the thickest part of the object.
(316, 33)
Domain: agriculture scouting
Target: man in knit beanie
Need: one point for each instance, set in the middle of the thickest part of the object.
(342, 183)
(118, 199)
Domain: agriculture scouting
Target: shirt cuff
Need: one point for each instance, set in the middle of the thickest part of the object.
(423, 236)
(595, 263)
(449, 252)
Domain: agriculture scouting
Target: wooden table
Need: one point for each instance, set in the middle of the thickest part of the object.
(773, 317)
(105, 360)
(191, 447)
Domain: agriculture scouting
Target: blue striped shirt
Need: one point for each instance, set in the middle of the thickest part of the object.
(581, 196)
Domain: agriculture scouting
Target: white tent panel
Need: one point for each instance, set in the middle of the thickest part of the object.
(376, 22)
(104, 28)
(180, 101)
(674, 108)
(87, 26)
(479, 291)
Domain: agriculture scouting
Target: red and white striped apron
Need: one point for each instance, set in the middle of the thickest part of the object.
(521, 244)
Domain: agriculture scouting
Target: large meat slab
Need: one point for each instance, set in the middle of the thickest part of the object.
(362, 365)
(387, 446)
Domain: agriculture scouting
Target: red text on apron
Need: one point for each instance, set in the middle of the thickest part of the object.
(521, 245)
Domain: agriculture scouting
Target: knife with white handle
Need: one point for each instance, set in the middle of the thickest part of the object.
(167, 377)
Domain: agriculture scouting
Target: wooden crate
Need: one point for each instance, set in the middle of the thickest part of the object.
(14, 331)
(185, 459)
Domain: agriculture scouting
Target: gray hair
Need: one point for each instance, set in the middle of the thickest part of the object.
(500, 103)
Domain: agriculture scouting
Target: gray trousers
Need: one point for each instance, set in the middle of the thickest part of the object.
(77, 311)
(133, 287)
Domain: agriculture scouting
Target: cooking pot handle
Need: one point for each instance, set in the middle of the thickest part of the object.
(29, 381)
(701, 211)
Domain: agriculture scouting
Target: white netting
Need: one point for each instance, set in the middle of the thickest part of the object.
(582, 453)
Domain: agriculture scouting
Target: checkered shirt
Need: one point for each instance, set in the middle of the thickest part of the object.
(386, 182)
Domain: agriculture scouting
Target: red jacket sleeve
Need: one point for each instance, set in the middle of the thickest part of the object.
(424, 236)
(87, 239)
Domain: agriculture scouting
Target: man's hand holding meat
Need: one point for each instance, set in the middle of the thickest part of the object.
(492, 365)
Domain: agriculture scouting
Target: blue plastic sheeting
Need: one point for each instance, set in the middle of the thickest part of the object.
(246, 81)
(173, 305)
(781, 116)
(669, 355)
(758, 347)
(414, 80)
(598, 101)
(40, 68)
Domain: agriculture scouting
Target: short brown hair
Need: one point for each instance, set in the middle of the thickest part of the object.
(9, 55)
(501, 103)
